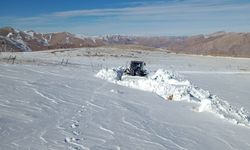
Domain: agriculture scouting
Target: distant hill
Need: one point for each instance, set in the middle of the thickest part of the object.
(216, 44)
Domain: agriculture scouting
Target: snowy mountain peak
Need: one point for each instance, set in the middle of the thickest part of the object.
(220, 43)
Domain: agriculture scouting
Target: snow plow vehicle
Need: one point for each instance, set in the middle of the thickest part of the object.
(136, 69)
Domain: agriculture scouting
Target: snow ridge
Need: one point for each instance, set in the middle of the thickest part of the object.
(17, 42)
(170, 86)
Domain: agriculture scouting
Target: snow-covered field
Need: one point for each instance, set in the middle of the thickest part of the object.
(46, 103)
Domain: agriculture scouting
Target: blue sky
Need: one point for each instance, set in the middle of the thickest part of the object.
(128, 17)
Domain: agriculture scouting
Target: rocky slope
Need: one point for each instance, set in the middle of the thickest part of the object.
(15, 40)
(218, 44)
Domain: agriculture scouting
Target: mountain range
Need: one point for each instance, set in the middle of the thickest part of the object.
(216, 44)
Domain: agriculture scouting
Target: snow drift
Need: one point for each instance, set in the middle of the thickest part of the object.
(170, 86)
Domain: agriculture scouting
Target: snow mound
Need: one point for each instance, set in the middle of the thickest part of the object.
(170, 86)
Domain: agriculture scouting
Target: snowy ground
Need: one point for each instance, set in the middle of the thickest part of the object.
(47, 104)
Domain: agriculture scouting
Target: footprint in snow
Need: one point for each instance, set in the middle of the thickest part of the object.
(74, 125)
(70, 140)
(116, 91)
(75, 133)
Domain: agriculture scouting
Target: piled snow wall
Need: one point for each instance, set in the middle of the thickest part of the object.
(170, 86)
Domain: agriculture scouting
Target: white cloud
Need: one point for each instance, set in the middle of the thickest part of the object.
(191, 13)
(158, 8)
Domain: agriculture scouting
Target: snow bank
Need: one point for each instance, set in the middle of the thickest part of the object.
(171, 87)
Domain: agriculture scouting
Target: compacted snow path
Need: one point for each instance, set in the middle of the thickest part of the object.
(171, 87)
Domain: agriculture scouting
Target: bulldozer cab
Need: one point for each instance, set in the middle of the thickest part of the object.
(137, 65)
(137, 68)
